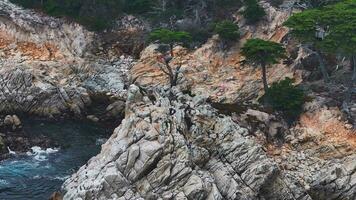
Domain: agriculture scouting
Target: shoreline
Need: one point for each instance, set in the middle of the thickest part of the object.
(19, 141)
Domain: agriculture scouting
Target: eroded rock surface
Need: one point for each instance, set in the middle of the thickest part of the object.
(20, 92)
(180, 149)
(49, 66)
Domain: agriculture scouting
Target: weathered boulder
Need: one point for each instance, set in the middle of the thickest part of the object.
(93, 118)
(12, 121)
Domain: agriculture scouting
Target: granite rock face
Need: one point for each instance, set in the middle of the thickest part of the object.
(179, 149)
(21, 93)
(25, 89)
(27, 25)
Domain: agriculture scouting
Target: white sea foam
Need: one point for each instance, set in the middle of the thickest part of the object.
(61, 178)
(100, 141)
(10, 151)
(3, 182)
(41, 154)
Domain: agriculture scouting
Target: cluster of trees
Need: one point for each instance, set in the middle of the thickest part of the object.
(328, 30)
(281, 96)
(257, 52)
(227, 30)
(94, 14)
(98, 14)
(167, 39)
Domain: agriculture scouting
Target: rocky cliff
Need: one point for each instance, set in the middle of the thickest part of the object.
(181, 148)
(50, 66)
(207, 138)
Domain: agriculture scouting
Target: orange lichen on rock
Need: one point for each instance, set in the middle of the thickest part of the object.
(5, 40)
(43, 52)
(46, 51)
(327, 122)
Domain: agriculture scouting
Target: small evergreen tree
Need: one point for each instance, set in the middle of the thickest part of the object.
(165, 36)
(253, 12)
(227, 30)
(263, 53)
(170, 38)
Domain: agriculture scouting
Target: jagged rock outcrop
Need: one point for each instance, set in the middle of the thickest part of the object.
(21, 92)
(29, 90)
(336, 180)
(28, 26)
(174, 146)
(49, 66)
(179, 149)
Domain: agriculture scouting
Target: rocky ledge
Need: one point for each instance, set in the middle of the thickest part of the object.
(13, 139)
(174, 146)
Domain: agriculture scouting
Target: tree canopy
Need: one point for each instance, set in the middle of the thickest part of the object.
(258, 51)
(167, 36)
(331, 28)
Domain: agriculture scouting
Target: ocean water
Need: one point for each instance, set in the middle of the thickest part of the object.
(40, 172)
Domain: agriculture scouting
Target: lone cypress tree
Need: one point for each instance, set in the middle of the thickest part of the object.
(168, 37)
(171, 38)
(263, 53)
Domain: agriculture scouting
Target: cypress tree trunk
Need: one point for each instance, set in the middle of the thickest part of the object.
(171, 49)
(322, 66)
(264, 77)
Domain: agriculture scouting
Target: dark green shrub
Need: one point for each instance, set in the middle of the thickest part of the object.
(283, 96)
(253, 12)
(227, 30)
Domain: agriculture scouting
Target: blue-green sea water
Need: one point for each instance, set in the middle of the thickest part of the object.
(40, 172)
